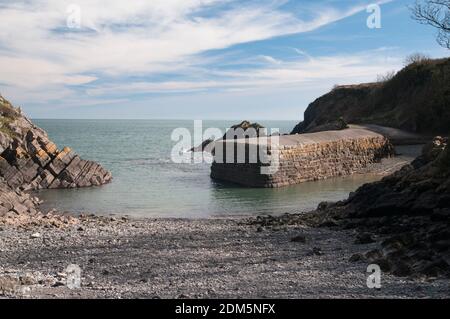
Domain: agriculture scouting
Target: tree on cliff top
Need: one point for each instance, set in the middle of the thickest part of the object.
(435, 13)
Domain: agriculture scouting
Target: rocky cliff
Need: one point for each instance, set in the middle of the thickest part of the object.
(405, 215)
(29, 160)
(416, 99)
(421, 188)
(409, 211)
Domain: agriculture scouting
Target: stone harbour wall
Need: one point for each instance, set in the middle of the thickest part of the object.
(310, 157)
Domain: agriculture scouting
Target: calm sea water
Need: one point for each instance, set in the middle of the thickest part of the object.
(147, 183)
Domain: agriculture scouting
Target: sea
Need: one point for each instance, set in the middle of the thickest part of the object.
(148, 183)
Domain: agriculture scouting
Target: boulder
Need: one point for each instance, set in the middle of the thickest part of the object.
(245, 129)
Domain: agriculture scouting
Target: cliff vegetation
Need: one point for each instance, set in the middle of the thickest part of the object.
(416, 99)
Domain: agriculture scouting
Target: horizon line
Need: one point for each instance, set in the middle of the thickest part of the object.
(157, 119)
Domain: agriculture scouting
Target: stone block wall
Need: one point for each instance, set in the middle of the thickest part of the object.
(310, 157)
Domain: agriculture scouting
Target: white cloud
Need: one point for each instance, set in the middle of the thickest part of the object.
(277, 74)
(270, 59)
(41, 58)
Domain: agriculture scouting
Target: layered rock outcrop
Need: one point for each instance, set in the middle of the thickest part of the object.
(21, 209)
(421, 188)
(406, 216)
(30, 160)
(16, 203)
(409, 211)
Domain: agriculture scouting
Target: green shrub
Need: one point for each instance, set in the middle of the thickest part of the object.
(7, 110)
(4, 128)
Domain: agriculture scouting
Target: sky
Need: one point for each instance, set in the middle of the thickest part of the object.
(196, 59)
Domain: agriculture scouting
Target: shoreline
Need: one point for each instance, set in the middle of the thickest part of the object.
(126, 256)
(204, 258)
(376, 171)
(123, 256)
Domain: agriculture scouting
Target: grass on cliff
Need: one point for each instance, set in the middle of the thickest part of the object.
(8, 114)
(416, 99)
(4, 128)
(7, 109)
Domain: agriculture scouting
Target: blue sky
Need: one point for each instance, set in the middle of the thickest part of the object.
(196, 59)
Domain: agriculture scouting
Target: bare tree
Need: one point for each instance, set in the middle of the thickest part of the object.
(435, 13)
(416, 58)
(383, 78)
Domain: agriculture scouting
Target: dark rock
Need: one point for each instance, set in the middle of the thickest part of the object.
(410, 209)
(374, 254)
(436, 268)
(328, 223)
(324, 205)
(245, 129)
(440, 215)
(203, 147)
(59, 283)
(364, 238)
(356, 258)
(336, 125)
(383, 263)
(299, 239)
(402, 269)
(442, 245)
(317, 251)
